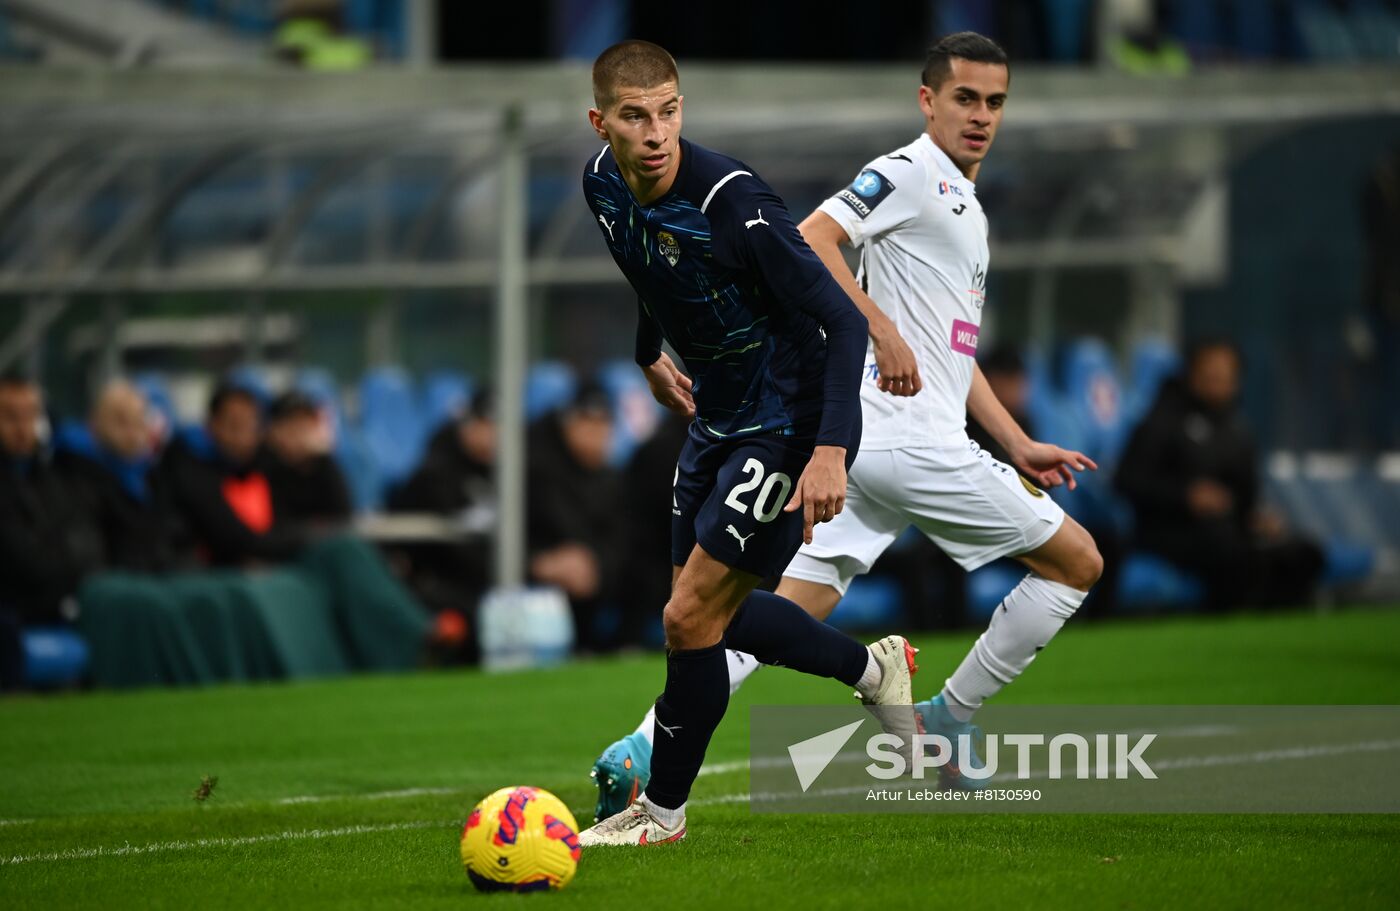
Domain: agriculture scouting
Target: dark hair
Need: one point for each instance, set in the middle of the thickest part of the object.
(227, 392)
(938, 63)
(15, 380)
(292, 403)
(632, 63)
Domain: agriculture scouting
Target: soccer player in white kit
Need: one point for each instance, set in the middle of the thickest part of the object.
(915, 218)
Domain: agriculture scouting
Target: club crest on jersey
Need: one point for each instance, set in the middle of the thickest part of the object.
(667, 245)
(866, 192)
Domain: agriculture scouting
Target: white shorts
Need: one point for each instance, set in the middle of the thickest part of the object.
(972, 506)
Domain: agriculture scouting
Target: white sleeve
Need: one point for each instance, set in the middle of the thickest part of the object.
(888, 193)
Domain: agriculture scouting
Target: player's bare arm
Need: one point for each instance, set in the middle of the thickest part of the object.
(1047, 464)
(899, 371)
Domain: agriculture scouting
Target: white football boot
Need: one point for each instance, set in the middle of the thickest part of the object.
(893, 701)
(633, 826)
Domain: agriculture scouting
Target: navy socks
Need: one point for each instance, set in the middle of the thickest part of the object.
(778, 632)
(697, 693)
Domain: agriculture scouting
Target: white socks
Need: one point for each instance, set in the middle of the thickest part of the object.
(1023, 623)
(741, 665)
(668, 818)
(869, 681)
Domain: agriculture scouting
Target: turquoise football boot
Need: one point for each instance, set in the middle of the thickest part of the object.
(938, 720)
(621, 773)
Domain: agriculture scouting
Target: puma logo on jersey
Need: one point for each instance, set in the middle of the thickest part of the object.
(742, 539)
(604, 222)
(757, 221)
(962, 207)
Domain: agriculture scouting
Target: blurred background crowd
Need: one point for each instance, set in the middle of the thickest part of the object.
(255, 397)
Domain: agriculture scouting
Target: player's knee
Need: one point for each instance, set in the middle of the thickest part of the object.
(687, 624)
(1085, 567)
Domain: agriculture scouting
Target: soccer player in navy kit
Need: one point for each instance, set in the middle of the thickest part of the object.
(774, 348)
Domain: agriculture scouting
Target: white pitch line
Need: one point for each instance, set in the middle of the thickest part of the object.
(14, 822)
(232, 842)
(373, 795)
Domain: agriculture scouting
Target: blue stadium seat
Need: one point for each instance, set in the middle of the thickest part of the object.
(1148, 581)
(53, 657)
(637, 413)
(548, 385)
(1197, 25)
(1094, 400)
(1324, 33)
(391, 422)
(446, 395)
(252, 378)
(1256, 29)
(161, 417)
(987, 586)
(1153, 361)
(873, 602)
(351, 452)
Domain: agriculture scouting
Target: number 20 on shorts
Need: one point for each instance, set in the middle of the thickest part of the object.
(769, 501)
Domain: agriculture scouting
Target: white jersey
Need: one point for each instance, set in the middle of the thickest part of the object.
(923, 241)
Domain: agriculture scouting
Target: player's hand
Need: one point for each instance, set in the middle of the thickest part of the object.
(669, 386)
(899, 370)
(821, 491)
(1049, 465)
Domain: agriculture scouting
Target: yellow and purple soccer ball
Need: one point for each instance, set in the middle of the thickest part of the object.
(520, 839)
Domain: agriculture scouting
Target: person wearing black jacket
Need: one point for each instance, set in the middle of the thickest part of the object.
(455, 476)
(308, 486)
(109, 466)
(47, 544)
(222, 492)
(575, 511)
(1191, 474)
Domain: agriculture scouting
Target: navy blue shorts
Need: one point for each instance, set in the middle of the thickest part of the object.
(729, 496)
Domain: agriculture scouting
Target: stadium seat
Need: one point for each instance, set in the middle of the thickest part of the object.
(873, 602)
(548, 385)
(987, 586)
(348, 444)
(53, 657)
(391, 422)
(1093, 400)
(636, 412)
(253, 379)
(1153, 361)
(161, 418)
(1197, 25)
(446, 395)
(1148, 581)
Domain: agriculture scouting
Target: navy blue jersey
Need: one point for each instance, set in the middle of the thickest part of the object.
(770, 340)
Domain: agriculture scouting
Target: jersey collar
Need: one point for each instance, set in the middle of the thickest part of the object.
(945, 164)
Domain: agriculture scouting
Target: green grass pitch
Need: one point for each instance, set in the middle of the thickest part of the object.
(351, 793)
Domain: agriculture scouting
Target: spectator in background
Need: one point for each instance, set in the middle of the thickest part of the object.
(650, 475)
(1005, 370)
(220, 490)
(1191, 475)
(47, 544)
(110, 468)
(311, 34)
(308, 487)
(576, 538)
(455, 476)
